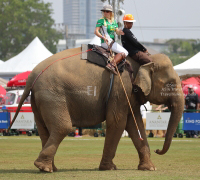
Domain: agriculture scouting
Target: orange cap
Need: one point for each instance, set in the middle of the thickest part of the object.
(128, 18)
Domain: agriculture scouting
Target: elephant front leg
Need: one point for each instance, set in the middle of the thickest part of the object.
(114, 131)
(141, 146)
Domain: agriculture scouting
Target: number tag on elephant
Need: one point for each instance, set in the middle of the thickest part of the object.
(91, 90)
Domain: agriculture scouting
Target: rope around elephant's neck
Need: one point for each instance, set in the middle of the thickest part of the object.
(53, 63)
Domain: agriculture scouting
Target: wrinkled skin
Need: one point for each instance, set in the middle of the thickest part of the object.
(73, 92)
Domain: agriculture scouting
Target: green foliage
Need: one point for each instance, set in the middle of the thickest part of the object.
(196, 46)
(21, 21)
(181, 50)
(177, 59)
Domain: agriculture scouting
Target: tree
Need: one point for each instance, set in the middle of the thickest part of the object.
(21, 21)
(196, 46)
(182, 49)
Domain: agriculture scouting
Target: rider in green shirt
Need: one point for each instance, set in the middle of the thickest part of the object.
(109, 28)
(105, 29)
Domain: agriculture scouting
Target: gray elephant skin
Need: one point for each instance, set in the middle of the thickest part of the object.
(73, 92)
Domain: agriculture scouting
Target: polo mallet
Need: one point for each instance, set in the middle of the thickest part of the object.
(140, 137)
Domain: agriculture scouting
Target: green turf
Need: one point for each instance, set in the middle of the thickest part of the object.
(79, 158)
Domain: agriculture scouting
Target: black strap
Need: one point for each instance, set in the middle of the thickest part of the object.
(110, 88)
(145, 107)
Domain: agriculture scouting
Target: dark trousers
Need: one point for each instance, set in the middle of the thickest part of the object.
(141, 57)
(191, 133)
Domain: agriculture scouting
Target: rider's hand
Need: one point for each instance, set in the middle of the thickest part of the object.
(121, 32)
(105, 39)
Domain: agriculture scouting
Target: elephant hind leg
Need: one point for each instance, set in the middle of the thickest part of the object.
(58, 127)
(42, 129)
(44, 136)
(45, 160)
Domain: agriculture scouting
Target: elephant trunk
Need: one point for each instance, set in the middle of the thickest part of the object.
(176, 114)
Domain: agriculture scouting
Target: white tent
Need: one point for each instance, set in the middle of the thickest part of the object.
(1, 61)
(189, 68)
(32, 55)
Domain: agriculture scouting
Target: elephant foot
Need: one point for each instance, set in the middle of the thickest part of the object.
(147, 166)
(107, 166)
(43, 167)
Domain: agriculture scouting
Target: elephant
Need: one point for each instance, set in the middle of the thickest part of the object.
(72, 93)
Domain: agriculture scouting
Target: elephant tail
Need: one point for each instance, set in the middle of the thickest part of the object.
(24, 96)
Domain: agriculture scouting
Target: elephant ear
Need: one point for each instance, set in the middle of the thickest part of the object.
(143, 78)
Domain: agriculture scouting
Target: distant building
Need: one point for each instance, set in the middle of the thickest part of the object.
(80, 17)
(158, 47)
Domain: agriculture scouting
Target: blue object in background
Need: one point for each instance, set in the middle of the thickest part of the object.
(4, 120)
(191, 121)
(4, 108)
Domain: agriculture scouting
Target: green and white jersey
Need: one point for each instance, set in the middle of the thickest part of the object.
(108, 28)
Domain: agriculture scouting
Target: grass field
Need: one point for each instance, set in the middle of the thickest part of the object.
(79, 158)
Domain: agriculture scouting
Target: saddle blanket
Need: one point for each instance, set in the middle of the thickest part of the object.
(98, 56)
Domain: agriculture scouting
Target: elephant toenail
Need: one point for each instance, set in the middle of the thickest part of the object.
(47, 169)
(151, 169)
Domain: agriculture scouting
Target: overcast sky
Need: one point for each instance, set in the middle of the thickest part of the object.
(167, 18)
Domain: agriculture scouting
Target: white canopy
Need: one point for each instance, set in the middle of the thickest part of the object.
(191, 67)
(32, 55)
(1, 61)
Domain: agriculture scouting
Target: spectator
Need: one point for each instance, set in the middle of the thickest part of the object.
(191, 102)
